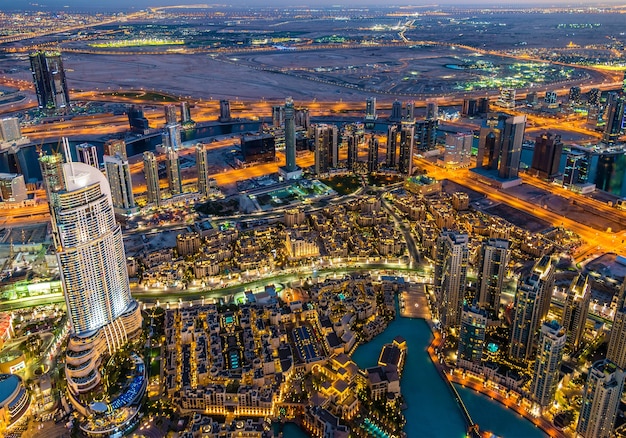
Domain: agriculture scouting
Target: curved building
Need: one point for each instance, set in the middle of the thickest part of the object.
(92, 263)
(14, 399)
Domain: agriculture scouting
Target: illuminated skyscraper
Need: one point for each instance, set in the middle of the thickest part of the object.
(396, 111)
(172, 165)
(372, 154)
(118, 174)
(593, 97)
(88, 154)
(225, 111)
(432, 111)
(151, 172)
(49, 79)
(10, 129)
(370, 109)
(616, 106)
(326, 147)
(616, 351)
(532, 301)
(507, 98)
(409, 112)
(202, 165)
(92, 264)
(170, 115)
(426, 134)
(392, 146)
(185, 113)
(290, 136)
(577, 168)
(547, 155)
(511, 149)
(458, 150)
(546, 370)
(407, 138)
(574, 95)
(489, 142)
(494, 260)
(450, 276)
(601, 399)
(576, 309)
(472, 334)
(353, 140)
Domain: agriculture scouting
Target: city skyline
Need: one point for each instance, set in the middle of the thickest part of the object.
(121, 5)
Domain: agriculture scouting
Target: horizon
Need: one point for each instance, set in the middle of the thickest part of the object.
(123, 5)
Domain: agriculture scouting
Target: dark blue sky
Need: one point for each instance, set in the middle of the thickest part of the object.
(119, 5)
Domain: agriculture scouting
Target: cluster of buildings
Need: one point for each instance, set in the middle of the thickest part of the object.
(359, 228)
(267, 359)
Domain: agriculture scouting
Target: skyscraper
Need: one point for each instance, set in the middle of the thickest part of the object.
(172, 165)
(353, 140)
(432, 111)
(409, 113)
(450, 276)
(426, 134)
(458, 149)
(532, 302)
(372, 154)
(601, 399)
(506, 98)
(576, 310)
(616, 106)
(170, 115)
(543, 276)
(407, 138)
(493, 264)
(576, 168)
(396, 111)
(185, 113)
(370, 112)
(118, 174)
(326, 147)
(225, 111)
(392, 146)
(92, 264)
(472, 334)
(49, 78)
(136, 119)
(10, 129)
(616, 351)
(547, 155)
(278, 116)
(470, 108)
(511, 149)
(151, 172)
(489, 140)
(546, 370)
(88, 154)
(290, 136)
(202, 166)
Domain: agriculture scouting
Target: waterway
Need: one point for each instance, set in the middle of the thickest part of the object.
(431, 408)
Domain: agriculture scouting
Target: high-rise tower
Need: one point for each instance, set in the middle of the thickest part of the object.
(552, 340)
(370, 112)
(450, 276)
(172, 165)
(547, 155)
(616, 351)
(326, 147)
(372, 154)
(49, 79)
(407, 138)
(396, 111)
(601, 399)
(151, 172)
(494, 260)
(202, 166)
(92, 264)
(290, 136)
(511, 149)
(472, 334)
(392, 146)
(225, 111)
(616, 106)
(88, 154)
(576, 310)
(118, 174)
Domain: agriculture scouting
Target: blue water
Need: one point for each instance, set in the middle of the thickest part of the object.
(428, 399)
(494, 417)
